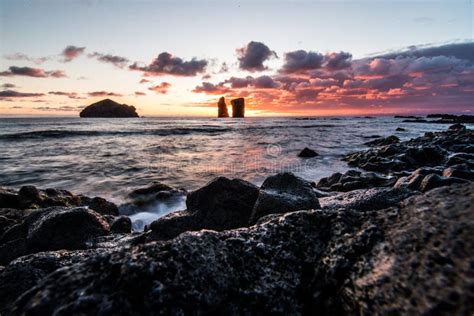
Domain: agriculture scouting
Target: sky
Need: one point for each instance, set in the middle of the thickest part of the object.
(176, 58)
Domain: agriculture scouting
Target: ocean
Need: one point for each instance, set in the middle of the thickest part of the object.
(111, 157)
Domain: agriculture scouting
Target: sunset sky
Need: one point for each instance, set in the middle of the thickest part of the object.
(173, 58)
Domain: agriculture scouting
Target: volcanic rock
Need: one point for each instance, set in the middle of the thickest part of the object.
(307, 153)
(108, 108)
(222, 108)
(238, 107)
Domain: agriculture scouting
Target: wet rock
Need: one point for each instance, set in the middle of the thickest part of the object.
(153, 188)
(121, 225)
(384, 141)
(461, 158)
(52, 229)
(284, 193)
(432, 181)
(400, 129)
(307, 153)
(353, 180)
(403, 260)
(104, 207)
(221, 204)
(30, 197)
(457, 127)
(459, 171)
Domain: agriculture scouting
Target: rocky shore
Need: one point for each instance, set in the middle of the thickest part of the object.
(394, 235)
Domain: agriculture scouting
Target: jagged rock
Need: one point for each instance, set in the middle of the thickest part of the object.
(414, 259)
(238, 107)
(400, 129)
(221, 204)
(108, 108)
(384, 141)
(222, 108)
(283, 193)
(307, 153)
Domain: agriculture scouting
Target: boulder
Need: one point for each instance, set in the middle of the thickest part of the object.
(52, 229)
(432, 181)
(221, 204)
(307, 153)
(353, 180)
(104, 207)
(384, 141)
(284, 193)
(457, 127)
(108, 108)
(121, 225)
(400, 129)
(459, 171)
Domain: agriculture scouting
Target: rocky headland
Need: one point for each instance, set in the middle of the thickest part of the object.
(109, 108)
(394, 236)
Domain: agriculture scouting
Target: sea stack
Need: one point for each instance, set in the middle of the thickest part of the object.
(108, 108)
(222, 108)
(238, 107)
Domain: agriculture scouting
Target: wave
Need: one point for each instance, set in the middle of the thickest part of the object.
(207, 130)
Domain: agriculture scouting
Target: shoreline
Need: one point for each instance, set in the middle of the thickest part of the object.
(345, 218)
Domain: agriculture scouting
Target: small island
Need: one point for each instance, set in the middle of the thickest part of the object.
(109, 108)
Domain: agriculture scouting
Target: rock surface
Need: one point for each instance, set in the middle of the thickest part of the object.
(108, 108)
(329, 262)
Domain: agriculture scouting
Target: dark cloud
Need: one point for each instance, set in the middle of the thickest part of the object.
(24, 57)
(8, 85)
(139, 93)
(16, 94)
(338, 61)
(380, 84)
(144, 81)
(104, 94)
(32, 72)
(65, 108)
(162, 88)
(70, 95)
(457, 50)
(252, 56)
(210, 88)
(72, 52)
(166, 64)
(301, 61)
(262, 82)
(117, 61)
